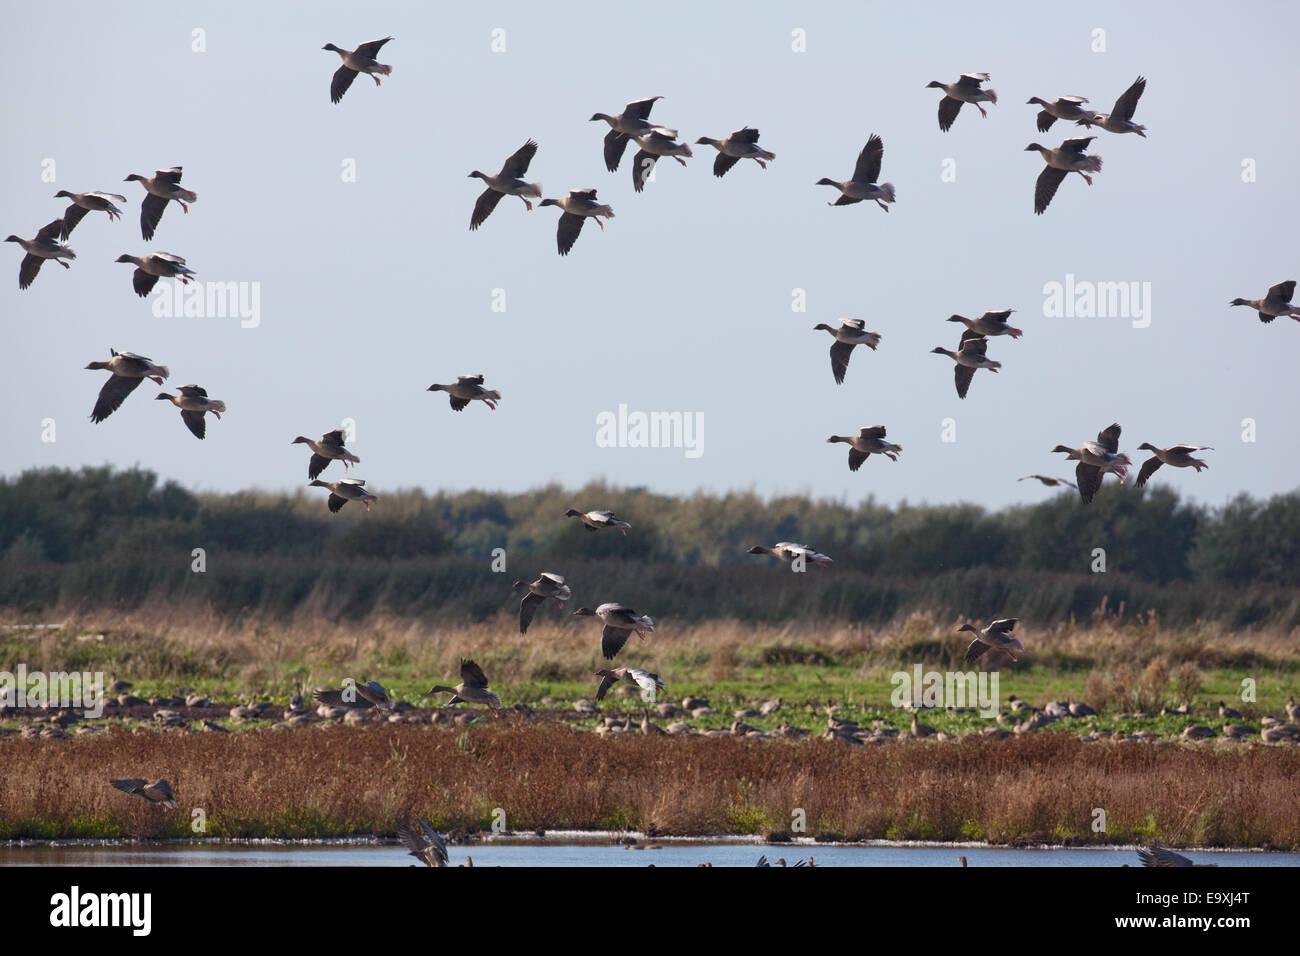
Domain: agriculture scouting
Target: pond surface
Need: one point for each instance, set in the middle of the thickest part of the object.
(587, 854)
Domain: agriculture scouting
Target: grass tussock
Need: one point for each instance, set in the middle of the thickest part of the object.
(330, 781)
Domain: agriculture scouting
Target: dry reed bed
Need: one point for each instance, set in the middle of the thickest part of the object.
(331, 781)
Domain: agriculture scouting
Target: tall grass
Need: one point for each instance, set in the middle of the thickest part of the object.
(330, 781)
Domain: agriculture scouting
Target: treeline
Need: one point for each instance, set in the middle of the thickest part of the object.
(103, 537)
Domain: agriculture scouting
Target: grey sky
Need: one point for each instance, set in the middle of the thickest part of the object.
(372, 290)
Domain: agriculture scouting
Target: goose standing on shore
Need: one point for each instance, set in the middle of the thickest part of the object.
(596, 520)
(508, 182)
(128, 371)
(868, 441)
(621, 622)
(472, 688)
(193, 402)
(1177, 456)
(850, 333)
(970, 355)
(83, 203)
(465, 389)
(863, 183)
(547, 585)
(360, 60)
(742, 144)
(329, 448)
(1095, 459)
(1062, 108)
(577, 206)
(149, 269)
(1067, 158)
(633, 121)
(164, 187)
(1277, 302)
(997, 636)
(990, 323)
(789, 552)
(1120, 118)
(345, 490)
(654, 143)
(46, 245)
(965, 90)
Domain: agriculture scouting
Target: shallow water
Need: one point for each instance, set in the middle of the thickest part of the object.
(578, 854)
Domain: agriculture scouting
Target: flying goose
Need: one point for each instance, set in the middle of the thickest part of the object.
(360, 60)
(649, 683)
(595, 520)
(357, 695)
(329, 448)
(1178, 456)
(164, 187)
(345, 490)
(471, 689)
(970, 355)
(1050, 481)
(742, 144)
(633, 121)
(466, 389)
(46, 245)
(1063, 108)
(850, 333)
(654, 143)
(868, 441)
(990, 323)
(997, 635)
(1157, 856)
(863, 183)
(508, 182)
(965, 90)
(577, 206)
(1067, 158)
(548, 585)
(83, 203)
(128, 370)
(620, 623)
(160, 792)
(149, 269)
(1277, 302)
(1095, 460)
(1120, 118)
(193, 402)
(425, 845)
(788, 552)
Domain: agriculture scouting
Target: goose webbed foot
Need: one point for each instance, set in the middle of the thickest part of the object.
(62, 263)
(983, 112)
(375, 78)
(761, 163)
(184, 208)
